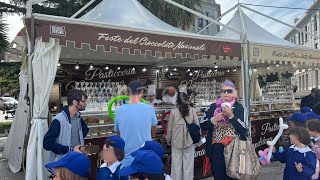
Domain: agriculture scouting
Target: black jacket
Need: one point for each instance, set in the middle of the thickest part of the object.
(49, 140)
(237, 121)
(309, 101)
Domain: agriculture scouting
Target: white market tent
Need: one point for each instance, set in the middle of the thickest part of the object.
(133, 37)
(129, 41)
(267, 49)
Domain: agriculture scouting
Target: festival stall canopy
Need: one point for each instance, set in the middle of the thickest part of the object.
(115, 34)
(266, 48)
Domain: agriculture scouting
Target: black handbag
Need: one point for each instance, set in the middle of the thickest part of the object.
(194, 131)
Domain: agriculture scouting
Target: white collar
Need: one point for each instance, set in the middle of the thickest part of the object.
(316, 138)
(301, 150)
(113, 167)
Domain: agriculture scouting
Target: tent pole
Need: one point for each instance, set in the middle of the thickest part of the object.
(32, 35)
(32, 39)
(211, 23)
(29, 8)
(243, 81)
(30, 85)
(298, 29)
(248, 87)
(203, 16)
(82, 9)
(241, 18)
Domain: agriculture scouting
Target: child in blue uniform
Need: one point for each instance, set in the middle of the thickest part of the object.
(299, 158)
(156, 148)
(146, 165)
(112, 154)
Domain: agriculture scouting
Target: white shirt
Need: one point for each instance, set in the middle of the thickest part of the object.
(316, 138)
(167, 177)
(170, 100)
(155, 101)
(113, 167)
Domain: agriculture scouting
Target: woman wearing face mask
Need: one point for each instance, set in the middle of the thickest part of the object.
(222, 123)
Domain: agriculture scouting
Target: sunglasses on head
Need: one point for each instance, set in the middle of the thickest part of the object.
(227, 91)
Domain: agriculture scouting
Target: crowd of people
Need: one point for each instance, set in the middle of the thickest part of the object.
(301, 144)
(131, 154)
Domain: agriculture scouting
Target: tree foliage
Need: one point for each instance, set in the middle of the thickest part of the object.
(9, 78)
(3, 37)
(163, 10)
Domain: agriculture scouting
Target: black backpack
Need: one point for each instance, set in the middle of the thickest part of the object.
(194, 131)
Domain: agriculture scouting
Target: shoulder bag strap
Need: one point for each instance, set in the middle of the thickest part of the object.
(186, 121)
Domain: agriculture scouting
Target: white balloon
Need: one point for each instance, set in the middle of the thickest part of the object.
(271, 144)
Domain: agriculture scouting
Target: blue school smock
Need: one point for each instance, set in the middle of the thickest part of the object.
(293, 154)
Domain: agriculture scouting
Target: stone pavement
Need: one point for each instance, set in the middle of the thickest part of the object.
(6, 174)
(273, 171)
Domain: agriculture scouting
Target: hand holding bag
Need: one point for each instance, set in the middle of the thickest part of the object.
(241, 160)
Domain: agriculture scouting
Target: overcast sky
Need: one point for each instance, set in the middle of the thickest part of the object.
(286, 15)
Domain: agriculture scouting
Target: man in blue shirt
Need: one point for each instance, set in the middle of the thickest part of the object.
(135, 122)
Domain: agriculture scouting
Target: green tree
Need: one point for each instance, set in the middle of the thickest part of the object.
(3, 37)
(6, 8)
(163, 10)
(9, 78)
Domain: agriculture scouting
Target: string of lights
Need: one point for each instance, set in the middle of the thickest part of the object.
(170, 70)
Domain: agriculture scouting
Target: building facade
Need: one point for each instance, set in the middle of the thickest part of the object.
(211, 9)
(306, 79)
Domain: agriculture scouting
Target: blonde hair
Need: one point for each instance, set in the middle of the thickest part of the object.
(66, 174)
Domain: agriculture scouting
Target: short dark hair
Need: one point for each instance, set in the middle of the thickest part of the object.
(75, 95)
(142, 176)
(313, 125)
(298, 124)
(135, 87)
(314, 90)
(302, 135)
(119, 153)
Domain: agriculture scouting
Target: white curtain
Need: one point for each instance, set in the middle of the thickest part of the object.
(44, 67)
(13, 150)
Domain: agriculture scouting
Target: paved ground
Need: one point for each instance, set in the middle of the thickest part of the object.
(274, 171)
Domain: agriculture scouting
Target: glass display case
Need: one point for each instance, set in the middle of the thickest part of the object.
(260, 110)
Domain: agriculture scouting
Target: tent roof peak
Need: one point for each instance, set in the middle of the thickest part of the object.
(254, 32)
(128, 13)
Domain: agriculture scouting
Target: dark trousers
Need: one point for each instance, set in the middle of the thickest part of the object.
(218, 165)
